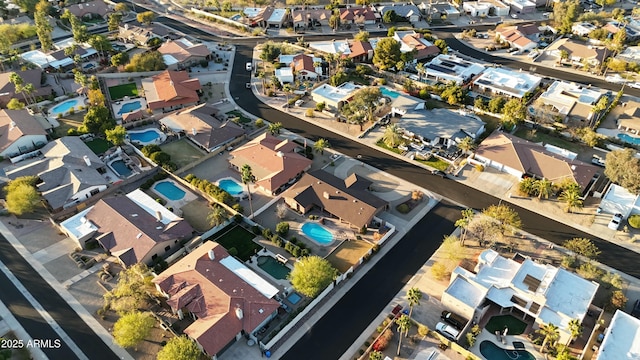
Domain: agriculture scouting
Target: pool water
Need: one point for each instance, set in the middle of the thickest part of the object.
(120, 168)
(144, 136)
(65, 106)
(492, 351)
(129, 107)
(390, 93)
(169, 190)
(294, 298)
(273, 267)
(629, 139)
(230, 186)
(317, 233)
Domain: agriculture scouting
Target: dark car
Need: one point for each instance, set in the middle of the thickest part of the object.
(440, 173)
(454, 319)
(636, 309)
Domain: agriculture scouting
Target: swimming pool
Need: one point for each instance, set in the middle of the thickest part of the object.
(65, 106)
(231, 186)
(145, 137)
(317, 233)
(294, 298)
(129, 107)
(169, 190)
(120, 168)
(629, 139)
(273, 267)
(388, 92)
(493, 352)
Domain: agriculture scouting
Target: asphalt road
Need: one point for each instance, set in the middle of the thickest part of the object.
(90, 344)
(339, 328)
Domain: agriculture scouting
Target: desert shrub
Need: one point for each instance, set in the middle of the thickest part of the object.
(259, 123)
(589, 271)
(618, 300)
(237, 207)
(383, 340)
(282, 228)
(320, 106)
(423, 330)
(403, 208)
(480, 167)
(634, 221)
(266, 233)
(439, 271)
(568, 262)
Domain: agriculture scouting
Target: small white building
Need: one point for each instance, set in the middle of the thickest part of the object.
(571, 100)
(521, 6)
(506, 82)
(621, 339)
(334, 97)
(485, 8)
(284, 75)
(583, 28)
(331, 47)
(446, 68)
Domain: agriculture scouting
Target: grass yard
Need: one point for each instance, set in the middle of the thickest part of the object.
(384, 146)
(99, 146)
(120, 91)
(435, 162)
(498, 323)
(196, 213)
(64, 128)
(234, 236)
(348, 253)
(539, 136)
(236, 113)
(182, 152)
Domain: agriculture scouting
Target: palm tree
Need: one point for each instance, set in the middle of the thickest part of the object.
(287, 90)
(543, 187)
(467, 144)
(575, 328)
(421, 70)
(571, 196)
(392, 137)
(248, 178)
(550, 333)
(463, 222)
(413, 296)
(262, 76)
(320, 145)
(274, 128)
(217, 216)
(404, 324)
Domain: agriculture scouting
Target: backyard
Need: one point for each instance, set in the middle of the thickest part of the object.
(120, 91)
(182, 152)
(238, 114)
(538, 136)
(348, 254)
(196, 213)
(99, 146)
(234, 236)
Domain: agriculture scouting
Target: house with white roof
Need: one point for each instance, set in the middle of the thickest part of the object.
(583, 28)
(532, 290)
(630, 54)
(621, 339)
(408, 11)
(57, 59)
(266, 17)
(446, 68)
(571, 100)
(331, 47)
(334, 97)
(438, 10)
(285, 75)
(506, 82)
(521, 6)
(303, 66)
(485, 8)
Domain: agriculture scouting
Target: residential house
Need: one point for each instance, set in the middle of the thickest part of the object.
(199, 124)
(305, 18)
(275, 163)
(522, 287)
(435, 127)
(348, 199)
(630, 54)
(361, 51)
(486, 8)
(91, 9)
(171, 90)
(133, 228)
(510, 83)
(583, 28)
(522, 158)
(408, 11)
(268, 17)
(445, 68)
(621, 339)
(632, 29)
(306, 67)
(440, 10)
(522, 37)
(334, 97)
(331, 47)
(58, 59)
(69, 173)
(182, 53)
(32, 76)
(359, 15)
(285, 75)
(571, 100)
(20, 133)
(577, 52)
(629, 119)
(411, 41)
(136, 33)
(521, 6)
(227, 299)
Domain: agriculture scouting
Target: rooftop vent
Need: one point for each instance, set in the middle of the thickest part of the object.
(239, 313)
(139, 236)
(193, 131)
(326, 195)
(134, 215)
(87, 160)
(158, 215)
(12, 125)
(279, 154)
(211, 254)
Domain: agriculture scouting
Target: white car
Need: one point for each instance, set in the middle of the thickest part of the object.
(248, 66)
(515, 16)
(616, 79)
(447, 331)
(614, 224)
(634, 85)
(298, 103)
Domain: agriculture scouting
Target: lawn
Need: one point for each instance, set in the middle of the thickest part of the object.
(99, 146)
(182, 152)
(435, 162)
(384, 146)
(347, 254)
(234, 236)
(236, 113)
(539, 136)
(120, 91)
(64, 128)
(196, 213)
(498, 323)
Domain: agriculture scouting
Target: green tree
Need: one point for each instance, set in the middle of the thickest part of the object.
(514, 111)
(270, 51)
(15, 104)
(248, 179)
(464, 222)
(572, 199)
(616, 45)
(496, 104)
(576, 329)
(132, 290)
(588, 136)
(121, 8)
(543, 187)
(114, 21)
(146, 18)
(116, 135)
(565, 14)
(311, 275)
(100, 43)
(28, 6)
(362, 106)
(23, 88)
(618, 299)
(320, 145)
(583, 246)
(132, 328)
(453, 94)
(404, 324)
(387, 54)
(97, 120)
(334, 21)
(119, 59)
(179, 348)
(96, 98)
(376, 355)
(43, 27)
(442, 45)
(623, 168)
(22, 196)
(217, 216)
(527, 186)
(275, 128)
(507, 218)
(389, 17)
(452, 249)
(78, 29)
(148, 61)
(392, 136)
(361, 36)
(550, 333)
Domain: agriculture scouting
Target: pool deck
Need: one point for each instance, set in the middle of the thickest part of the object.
(485, 335)
(117, 106)
(175, 204)
(162, 137)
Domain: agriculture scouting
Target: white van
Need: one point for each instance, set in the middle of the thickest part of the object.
(447, 331)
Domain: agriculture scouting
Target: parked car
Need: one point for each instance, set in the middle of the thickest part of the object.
(597, 160)
(447, 331)
(248, 66)
(635, 312)
(614, 224)
(634, 85)
(298, 103)
(443, 175)
(454, 319)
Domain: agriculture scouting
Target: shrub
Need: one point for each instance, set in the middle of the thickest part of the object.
(383, 340)
(568, 262)
(282, 228)
(161, 201)
(634, 221)
(266, 233)
(237, 218)
(618, 300)
(480, 167)
(255, 229)
(403, 208)
(423, 330)
(237, 207)
(309, 113)
(259, 123)
(233, 251)
(439, 271)
(320, 106)
(589, 271)
(471, 339)
(363, 230)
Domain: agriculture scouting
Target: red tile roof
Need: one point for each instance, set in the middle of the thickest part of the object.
(303, 62)
(359, 48)
(358, 14)
(174, 88)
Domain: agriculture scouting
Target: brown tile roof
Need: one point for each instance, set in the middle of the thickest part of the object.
(132, 116)
(129, 232)
(423, 51)
(183, 51)
(515, 36)
(317, 14)
(358, 14)
(15, 124)
(8, 90)
(97, 7)
(531, 158)
(580, 50)
(528, 30)
(214, 293)
(272, 160)
(359, 48)
(347, 199)
(630, 117)
(303, 62)
(174, 88)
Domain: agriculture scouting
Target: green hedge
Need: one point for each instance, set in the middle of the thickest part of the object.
(209, 188)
